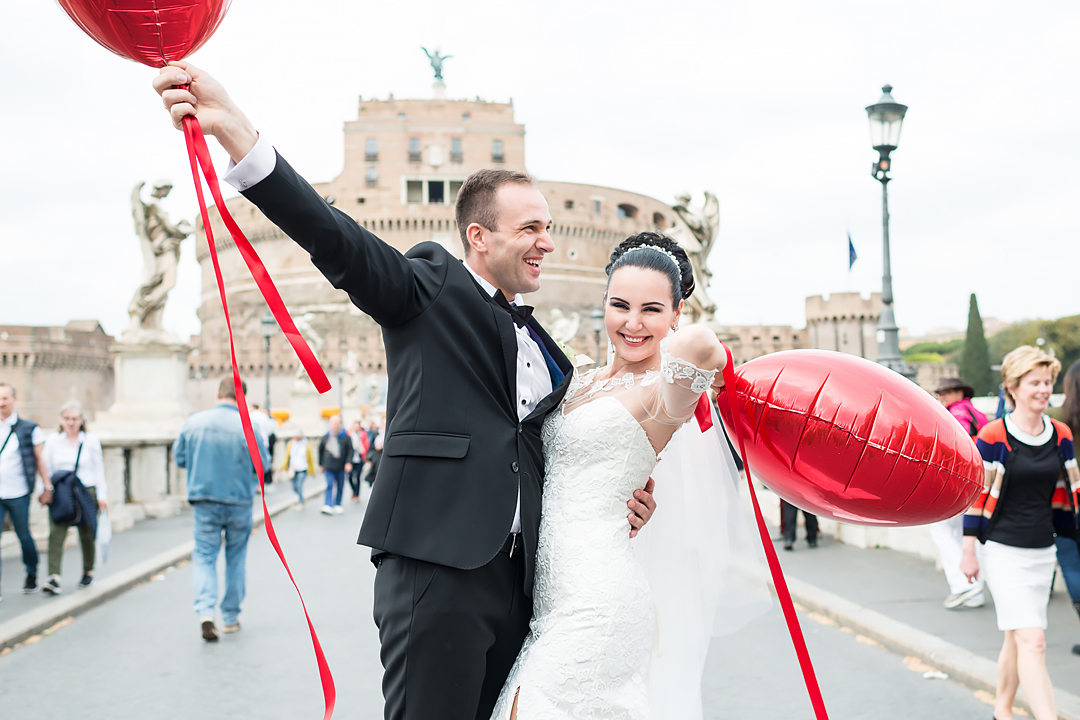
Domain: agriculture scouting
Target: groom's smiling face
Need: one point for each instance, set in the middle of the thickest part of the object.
(509, 256)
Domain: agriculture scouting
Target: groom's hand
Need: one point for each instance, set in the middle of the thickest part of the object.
(641, 507)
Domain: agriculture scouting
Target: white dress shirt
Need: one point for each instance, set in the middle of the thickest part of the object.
(13, 481)
(60, 454)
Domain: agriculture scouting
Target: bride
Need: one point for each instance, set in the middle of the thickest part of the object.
(594, 629)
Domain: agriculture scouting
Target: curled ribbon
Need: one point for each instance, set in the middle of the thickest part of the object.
(199, 156)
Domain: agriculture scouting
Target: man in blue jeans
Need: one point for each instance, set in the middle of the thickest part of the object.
(220, 487)
(20, 462)
(335, 461)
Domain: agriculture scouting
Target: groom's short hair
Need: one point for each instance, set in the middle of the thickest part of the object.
(476, 199)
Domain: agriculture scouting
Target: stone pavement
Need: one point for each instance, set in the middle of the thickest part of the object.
(891, 597)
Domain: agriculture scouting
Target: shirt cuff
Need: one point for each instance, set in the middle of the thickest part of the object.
(254, 167)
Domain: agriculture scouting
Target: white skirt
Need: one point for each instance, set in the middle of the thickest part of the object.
(1019, 580)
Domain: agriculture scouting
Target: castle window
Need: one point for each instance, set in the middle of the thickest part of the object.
(371, 149)
(436, 192)
(456, 154)
(595, 207)
(414, 191)
(455, 186)
(414, 149)
(497, 155)
(626, 210)
(372, 176)
(569, 204)
(658, 221)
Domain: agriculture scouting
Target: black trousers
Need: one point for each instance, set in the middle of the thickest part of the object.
(790, 520)
(354, 478)
(449, 636)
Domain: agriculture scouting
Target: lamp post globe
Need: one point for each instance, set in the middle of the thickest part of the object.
(886, 117)
(268, 325)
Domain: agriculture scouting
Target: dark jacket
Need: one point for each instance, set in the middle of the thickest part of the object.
(24, 433)
(454, 452)
(328, 461)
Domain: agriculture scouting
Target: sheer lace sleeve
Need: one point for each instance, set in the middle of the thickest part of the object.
(683, 383)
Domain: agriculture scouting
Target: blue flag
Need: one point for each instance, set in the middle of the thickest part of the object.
(851, 255)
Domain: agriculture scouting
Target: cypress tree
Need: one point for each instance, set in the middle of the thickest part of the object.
(975, 358)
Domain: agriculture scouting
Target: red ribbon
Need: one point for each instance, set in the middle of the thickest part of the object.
(199, 156)
(703, 412)
(774, 563)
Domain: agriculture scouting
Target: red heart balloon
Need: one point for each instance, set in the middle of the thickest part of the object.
(845, 438)
(152, 32)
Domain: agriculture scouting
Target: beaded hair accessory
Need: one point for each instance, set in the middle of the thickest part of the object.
(662, 251)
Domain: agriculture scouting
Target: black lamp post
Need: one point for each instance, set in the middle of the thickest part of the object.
(268, 326)
(597, 316)
(886, 117)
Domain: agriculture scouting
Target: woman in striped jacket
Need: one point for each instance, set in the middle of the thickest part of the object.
(1031, 475)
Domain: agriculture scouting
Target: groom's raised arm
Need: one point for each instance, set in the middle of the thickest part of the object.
(381, 281)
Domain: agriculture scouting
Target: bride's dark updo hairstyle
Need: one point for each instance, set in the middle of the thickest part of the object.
(653, 257)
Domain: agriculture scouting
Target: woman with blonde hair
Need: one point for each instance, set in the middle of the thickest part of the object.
(72, 448)
(1027, 500)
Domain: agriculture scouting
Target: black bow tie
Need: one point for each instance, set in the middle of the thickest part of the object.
(520, 314)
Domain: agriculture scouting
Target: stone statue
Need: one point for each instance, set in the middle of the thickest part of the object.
(696, 231)
(305, 324)
(160, 243)
(703, 224)
(436, 59)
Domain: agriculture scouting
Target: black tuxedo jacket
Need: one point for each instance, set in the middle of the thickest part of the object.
(455, 452)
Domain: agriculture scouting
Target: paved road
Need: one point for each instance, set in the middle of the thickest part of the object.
(140, 654)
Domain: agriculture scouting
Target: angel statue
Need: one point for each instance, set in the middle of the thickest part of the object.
(703, 224)
(436, 59)
(160, 242)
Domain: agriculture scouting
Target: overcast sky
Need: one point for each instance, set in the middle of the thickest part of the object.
(760, 101)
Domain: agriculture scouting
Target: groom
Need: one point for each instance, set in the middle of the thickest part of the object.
(454, 516)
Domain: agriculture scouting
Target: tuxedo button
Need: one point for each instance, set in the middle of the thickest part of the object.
(514, 466)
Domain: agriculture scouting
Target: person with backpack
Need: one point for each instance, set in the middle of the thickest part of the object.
(21, 443)
(72, 449)
(948, 535)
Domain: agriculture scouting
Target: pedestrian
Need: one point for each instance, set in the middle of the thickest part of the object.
(454, 522)
(21, 461)
(360, 445)
(335, 460)
(372, 459)
(72, 448)
(789, 515)
(1068, 551)
(266, 427)
(300, 461)
(220, 487)
(948, 535)
(375, 453)
(1027, 498)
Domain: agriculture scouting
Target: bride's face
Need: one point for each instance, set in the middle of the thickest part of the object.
(639, 312)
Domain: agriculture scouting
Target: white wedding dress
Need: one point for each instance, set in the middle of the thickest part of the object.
(593, 628)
